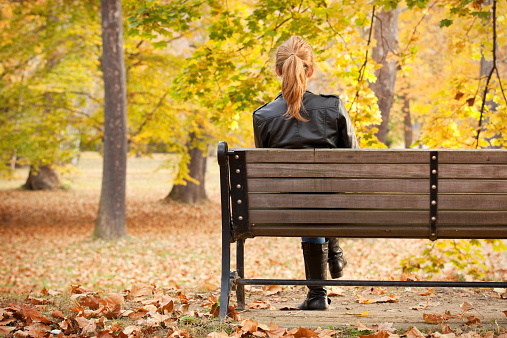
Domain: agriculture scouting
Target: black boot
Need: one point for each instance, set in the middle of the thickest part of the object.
(335, 258)
(315, 256)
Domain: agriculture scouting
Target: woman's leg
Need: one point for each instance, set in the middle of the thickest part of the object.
(314, 240)
(335, 258)
(315, 253)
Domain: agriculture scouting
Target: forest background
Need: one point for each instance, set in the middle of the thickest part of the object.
(414, 73)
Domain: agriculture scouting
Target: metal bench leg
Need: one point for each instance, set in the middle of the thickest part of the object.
(226, 267)
(240, 266)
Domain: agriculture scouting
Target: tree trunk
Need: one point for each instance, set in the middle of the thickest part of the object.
(111, 217)
(45, 178)
(386, 33)
(191, 192)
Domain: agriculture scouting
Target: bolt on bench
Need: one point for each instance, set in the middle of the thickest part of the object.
(368, 193)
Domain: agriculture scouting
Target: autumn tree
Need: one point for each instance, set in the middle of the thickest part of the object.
(46, 74)
(384, 54)
(110, 222)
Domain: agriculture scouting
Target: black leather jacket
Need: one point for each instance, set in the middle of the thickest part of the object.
(329, 124)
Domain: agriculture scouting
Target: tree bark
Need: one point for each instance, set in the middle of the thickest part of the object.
(192, 193)
(110, 222)
(407, 121)
(386, 33)
(45, 178)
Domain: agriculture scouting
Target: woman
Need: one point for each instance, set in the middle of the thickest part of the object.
(299, 119)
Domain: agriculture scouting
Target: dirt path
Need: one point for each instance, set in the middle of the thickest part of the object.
(406, 308)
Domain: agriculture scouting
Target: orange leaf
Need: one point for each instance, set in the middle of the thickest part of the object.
(249, 325)
(6, 329)
(433, 318)
(260, 305)
(57, 314)
(427, 292)
(415, 333)
(380, 334)
(473, 320)
(505, 312)
(114, 299)
(91, 301)
(361, 327)
(272, 290)
(143, 290)
(302, 333)
(359, 314)
(446, 328)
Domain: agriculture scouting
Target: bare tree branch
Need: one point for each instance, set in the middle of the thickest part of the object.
(489, 77)
(362, 70)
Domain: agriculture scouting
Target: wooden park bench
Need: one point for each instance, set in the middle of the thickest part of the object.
(367, 193)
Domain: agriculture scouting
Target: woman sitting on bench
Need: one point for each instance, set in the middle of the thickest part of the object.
(300, 119)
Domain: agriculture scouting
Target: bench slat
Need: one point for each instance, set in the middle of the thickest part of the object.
(472, 156)
(472, 202)
(321, 201)
(339, 216)
(376, 156)
(338, 185)
(341, 230)
(338, 170)
(457, 218)
(477, 171)
(377, 231)
(472, 186)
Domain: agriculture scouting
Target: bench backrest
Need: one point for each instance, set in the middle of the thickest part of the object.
(367, 193)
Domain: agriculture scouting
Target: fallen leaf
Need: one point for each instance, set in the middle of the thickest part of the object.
(380, 334)
(387, 327)
(505, 313)
(36, 301)
(359, 314)
(143, 290)
(57, 314)
(465, 307)
(446, 329)
(6, 329)
(86, 325)
(32, 314)
(473, 320)
(415, 333)
(336, 291)
(433, 318)
(303, 333)
(218, 335)
(77, 289)
(249, 325)
(90, 301)
(260, 305)
(361, 327)
(272, 290)
(427, 292)
(131, 329)
(114, 299)
(489, 334)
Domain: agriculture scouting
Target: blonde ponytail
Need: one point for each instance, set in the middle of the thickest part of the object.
(294, 61)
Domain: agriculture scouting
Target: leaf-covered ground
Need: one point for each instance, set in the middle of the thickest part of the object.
(173, 249)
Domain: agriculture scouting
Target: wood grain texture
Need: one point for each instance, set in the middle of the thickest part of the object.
(475, 171)
(472, 186)
(338, 170)
(331, 185)
(472, 202)
(486, 156)
(339, 216)
(337, 201)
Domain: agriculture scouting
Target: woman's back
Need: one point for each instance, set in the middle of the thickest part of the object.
(328, 125)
